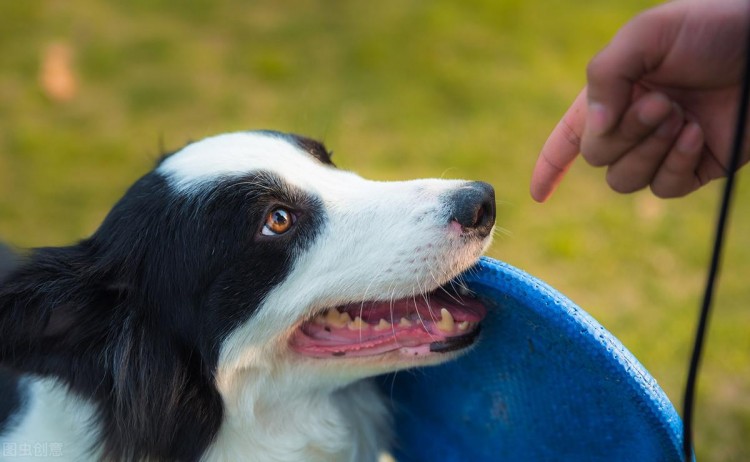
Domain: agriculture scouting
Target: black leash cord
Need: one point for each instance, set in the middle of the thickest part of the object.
(700, 333)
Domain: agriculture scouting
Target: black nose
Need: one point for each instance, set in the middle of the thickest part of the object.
(473, 207)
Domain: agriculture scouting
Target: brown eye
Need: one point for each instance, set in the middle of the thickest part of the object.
(278, 222)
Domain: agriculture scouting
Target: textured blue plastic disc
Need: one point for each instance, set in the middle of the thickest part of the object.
(546, 382)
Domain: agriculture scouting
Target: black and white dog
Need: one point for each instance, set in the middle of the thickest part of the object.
(230, 305)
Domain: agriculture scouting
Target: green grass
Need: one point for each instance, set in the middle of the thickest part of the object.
(398, 89)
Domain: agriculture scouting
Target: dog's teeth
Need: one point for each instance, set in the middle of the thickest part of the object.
(383, 325)
(333, 317)
(463, 325)
(345, 318)
(404, 323)
(357, 324)
(446, 323)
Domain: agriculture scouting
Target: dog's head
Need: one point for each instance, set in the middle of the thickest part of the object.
(249, 251)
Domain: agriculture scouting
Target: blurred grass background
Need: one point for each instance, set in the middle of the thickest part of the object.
(398, 89)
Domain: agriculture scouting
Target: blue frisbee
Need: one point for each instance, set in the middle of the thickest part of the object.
(545, 382)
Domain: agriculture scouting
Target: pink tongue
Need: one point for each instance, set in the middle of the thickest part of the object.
(326, 336)
(319, 342)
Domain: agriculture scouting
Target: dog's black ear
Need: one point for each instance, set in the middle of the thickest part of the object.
(44, 305)
(67, 314)
(8, 260)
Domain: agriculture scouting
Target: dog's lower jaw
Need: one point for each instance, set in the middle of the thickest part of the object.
(265, 422)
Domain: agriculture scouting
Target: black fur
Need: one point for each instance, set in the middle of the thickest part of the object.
(8, 261)
(134, 316)
(11, 401)
(313, 147)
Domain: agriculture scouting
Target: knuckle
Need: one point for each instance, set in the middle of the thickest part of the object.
(672, 190)
(622, 184)
(663, 192)
(595, 161)
(570, 134)
(593, 155)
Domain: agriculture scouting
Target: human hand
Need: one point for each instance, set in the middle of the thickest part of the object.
(660, 105)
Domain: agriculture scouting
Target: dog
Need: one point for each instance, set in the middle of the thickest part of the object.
(233, 304)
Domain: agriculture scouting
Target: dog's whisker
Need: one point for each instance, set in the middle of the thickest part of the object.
(391, 311)
(501, 232)
(422, 293)
(448, 293)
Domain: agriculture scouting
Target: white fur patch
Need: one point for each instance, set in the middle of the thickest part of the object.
(235, 154)
(56, 426)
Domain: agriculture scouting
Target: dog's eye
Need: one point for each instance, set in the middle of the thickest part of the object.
(279, 221)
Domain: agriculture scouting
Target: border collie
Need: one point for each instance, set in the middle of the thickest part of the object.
(230, 306)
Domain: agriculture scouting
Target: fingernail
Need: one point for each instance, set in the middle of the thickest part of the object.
(654, 111)
(597, 121)
(674, 122)
(691, 139)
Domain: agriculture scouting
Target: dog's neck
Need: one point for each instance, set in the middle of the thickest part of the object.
(268, 418)
(264, 420)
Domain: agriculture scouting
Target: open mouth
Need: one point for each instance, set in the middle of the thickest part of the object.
(437, 322)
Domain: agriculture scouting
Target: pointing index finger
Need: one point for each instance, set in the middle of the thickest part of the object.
(560, 150)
